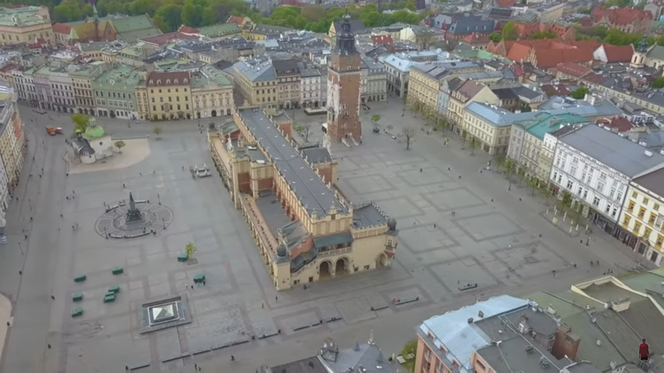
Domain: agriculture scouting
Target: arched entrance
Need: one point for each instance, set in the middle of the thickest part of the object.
(287, 105)
(324, 271)
(342, 267)
(214, 113)
(381, 260)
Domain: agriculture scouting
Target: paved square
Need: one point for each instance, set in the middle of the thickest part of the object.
(488, 226)
(428, 176)
(369, 184)
(423, 239)
(238, 301)
(453, 199)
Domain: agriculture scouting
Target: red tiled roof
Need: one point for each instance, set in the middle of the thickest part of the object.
(620, 124)
(235, 19)
(157, 78)
(519, 52)
(557, 90)
(586, 22)
(620, 16)
(505, 3)
(188, 30)
(552, 57)
(573, 69)
(615, 53)
(165, 38)
(382, 39)
(61, 28)
(476, 38)
(593, 78)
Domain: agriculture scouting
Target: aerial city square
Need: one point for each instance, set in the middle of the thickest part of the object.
(280, 186)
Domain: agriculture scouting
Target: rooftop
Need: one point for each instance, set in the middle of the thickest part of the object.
(258, 70)
(653, 181)
(121, 77)
(24, 16)
(612, 150)
(307, 186)
(547, 123)
(368, 215)
(461, 338)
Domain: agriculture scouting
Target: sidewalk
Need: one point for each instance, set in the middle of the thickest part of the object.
(5, 317)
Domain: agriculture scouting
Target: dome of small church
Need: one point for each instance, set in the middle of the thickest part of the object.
(392, 224)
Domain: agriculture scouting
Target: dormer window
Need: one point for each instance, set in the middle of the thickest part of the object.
(159, 82)
(168, 81)
(151, 82)
(185, 81)
(176, 81)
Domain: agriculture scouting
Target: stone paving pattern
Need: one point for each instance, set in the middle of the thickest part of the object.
(494, 244)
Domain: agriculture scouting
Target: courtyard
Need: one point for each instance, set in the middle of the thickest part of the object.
(452, 234)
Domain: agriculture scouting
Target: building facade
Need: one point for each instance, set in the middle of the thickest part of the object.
(212, 93)
(374, 80)
(25, 25)
(81, 81)
(169, 95)
(303, 228)
(595, 167)
(344, 86)
(12, 141)
(468, 92)
(310, 86)
(288, 83)
(256, 81)
(115, 92)
(642, 216)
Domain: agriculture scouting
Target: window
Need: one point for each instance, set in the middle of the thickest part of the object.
(572, 171)
(570, 184)
(642, 212)
(631, 205)
(607, 209)
(626, 220)
(596, 201)
(614, 212)
(637, 227)
(480, 365)
(645, 201)
(652, 218)
(427, 352)
(585, 193)
(659, 240)
(600, 187)
(656, 207)
(646, 233)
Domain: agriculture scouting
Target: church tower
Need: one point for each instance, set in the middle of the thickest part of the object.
(344, 86)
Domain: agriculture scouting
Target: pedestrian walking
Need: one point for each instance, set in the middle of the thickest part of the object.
(26, 236)
(276, 299)
(123, 185)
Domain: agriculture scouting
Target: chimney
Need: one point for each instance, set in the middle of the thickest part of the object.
(621, 305)
(470, 320)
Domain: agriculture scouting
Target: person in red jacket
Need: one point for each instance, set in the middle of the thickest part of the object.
(643, 350)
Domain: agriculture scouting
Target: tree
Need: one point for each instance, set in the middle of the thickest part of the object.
(495, 37)
(510, 32)
(567, 199)
(408, 349)
(580, 93)
(534, 184)
(81, 122)
(450, 45)
(423, 39)
(509, 167)
(440, 124)
(375, 118)
(305, 131)
(120, 144)
(409, 135)
(189, 250)
(168, 17)
(313, 12)
(472, 144)
(192, 15)
(157, 131)
(658, 83)
(525, 108)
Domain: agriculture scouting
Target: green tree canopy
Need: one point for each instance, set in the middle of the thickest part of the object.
(659, 83)
(543, 35)
(510, 31)
(579, 93)
(495, 37)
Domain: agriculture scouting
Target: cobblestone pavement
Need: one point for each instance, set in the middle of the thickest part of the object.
(492, 239)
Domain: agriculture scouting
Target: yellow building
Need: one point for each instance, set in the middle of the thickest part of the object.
(304, 229)
(12, 138)
(492, 136)
(468, 92)
(169, 96)
(424, 85)
(256, 80)
(643, 216)
(288, 83)
(25, 25)
(212, 93)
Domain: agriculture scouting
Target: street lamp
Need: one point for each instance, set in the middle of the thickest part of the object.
(158, 198)
(163, 222)
(20, 248)
(588, 241)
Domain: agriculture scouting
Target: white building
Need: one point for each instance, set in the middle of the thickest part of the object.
(374, 80)
(310, 87)
(596, 166)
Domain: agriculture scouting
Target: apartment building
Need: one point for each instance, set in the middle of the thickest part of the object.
(642, 216)
(527, 141)
(374, 80)
(82, 77)
(468, 92)
(310, 86)
(288, 83)
(12, 143)
(25, 87)
(256, 80)
(212, 93)
(54, 89)
(398, 68)
(303, 228)
(25, 25)
(169, 95)
(114, 92)
(627, 19)
(595, 166)
(425, 85)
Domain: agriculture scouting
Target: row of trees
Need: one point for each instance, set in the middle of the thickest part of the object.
(170, 14)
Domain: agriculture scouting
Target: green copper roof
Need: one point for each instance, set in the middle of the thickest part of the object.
(94, 131)
(219, 30)
(544, 124)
